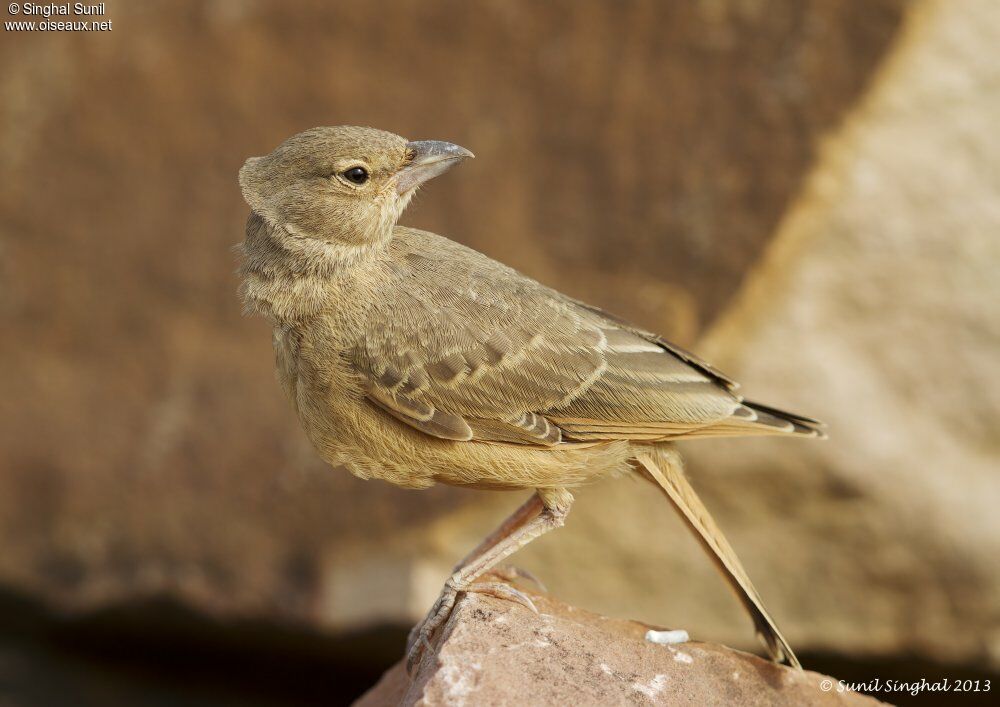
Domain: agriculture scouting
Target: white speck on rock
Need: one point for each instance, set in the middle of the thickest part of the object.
(653, 688)
(459, 681)
(682, 657)
(736, 675)
(667, 637)
(606, 669)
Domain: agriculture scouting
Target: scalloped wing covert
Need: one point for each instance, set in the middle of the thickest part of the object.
(473, 350)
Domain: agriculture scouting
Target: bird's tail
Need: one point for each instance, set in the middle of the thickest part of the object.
(663, 467)
(756, 419)
(801, 425)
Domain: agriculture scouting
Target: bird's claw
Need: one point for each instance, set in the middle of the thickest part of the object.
(419, 639)
(501, 590)
(510, 573)
(416, 652)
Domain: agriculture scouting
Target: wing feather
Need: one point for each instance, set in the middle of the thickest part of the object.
(464, 348)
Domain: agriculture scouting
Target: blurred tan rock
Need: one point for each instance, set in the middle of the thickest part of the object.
(493, 652)
(639, 156)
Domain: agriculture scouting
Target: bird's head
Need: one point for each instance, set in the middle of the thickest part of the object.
(342, 185)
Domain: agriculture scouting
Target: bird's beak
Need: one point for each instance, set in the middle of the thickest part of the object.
(429, 158)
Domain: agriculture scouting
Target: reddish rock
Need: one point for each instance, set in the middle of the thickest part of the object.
(496, 652)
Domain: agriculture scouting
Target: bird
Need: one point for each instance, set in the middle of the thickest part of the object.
(415, 360)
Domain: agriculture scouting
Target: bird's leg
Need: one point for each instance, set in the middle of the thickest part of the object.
(530, 508)
(420, 634)
(546, 510)
(527, 510)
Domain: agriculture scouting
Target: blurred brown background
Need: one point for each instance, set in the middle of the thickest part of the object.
(808, 193)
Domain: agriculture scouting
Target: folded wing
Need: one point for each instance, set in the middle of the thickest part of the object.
(474, 351)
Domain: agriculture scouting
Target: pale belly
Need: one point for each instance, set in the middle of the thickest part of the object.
(348, 431)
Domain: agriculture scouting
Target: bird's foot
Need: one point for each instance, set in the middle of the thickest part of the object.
(502, 590)
(509, 573)
(420, 636)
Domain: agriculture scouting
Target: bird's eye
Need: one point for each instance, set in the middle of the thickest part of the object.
(356, 175)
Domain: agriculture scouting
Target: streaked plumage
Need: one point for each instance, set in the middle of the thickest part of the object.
(416, 360)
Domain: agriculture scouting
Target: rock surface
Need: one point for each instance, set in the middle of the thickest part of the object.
(493, 652)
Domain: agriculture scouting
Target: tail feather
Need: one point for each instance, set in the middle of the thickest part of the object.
(751, 419)
(666, 471)
(802, 425)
